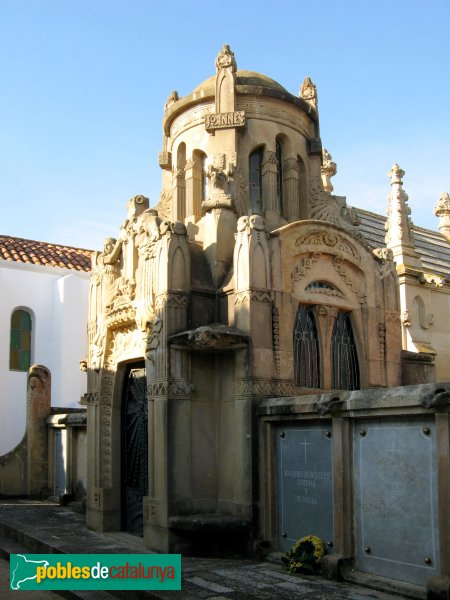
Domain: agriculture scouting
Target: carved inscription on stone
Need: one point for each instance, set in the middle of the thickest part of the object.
(224, 120)
(305, 484)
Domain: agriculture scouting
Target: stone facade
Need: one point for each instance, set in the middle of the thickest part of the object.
(249, 281)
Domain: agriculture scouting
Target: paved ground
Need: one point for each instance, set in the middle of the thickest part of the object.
(44, 527)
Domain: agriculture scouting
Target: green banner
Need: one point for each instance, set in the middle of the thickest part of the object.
(95, 572)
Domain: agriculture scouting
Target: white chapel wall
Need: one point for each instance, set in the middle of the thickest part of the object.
(57, 301)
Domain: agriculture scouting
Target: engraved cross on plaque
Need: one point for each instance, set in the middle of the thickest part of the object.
(305, 443)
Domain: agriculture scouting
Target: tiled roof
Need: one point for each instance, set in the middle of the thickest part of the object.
(432, 247)
(42, 253)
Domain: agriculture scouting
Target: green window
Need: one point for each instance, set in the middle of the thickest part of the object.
(20, 343)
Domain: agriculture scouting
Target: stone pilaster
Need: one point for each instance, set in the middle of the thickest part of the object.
(290, 185)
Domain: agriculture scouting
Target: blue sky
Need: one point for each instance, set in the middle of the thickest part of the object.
(83, 83)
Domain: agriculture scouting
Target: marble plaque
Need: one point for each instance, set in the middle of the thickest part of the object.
(396, 499)
(305, 484)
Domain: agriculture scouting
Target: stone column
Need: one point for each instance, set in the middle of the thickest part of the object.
(193, 190)
(269, 181)
(38, 409)
(178, 195)
(290, 185)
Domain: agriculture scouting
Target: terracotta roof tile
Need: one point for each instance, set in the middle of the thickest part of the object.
(42, 253)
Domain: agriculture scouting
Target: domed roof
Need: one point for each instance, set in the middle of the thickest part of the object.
(250, 78)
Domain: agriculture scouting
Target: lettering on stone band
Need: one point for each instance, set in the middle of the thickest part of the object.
(224, 120)
(307, 482)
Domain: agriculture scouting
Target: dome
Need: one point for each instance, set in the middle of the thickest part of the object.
(247, 78)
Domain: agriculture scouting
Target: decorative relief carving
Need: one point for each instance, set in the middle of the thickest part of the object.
(308, 92)
(172, 299)
(393, 317)
(220, 174)
(190, 118)
(164, 206)
(215, 336)
(226, 59)
(92, 397)
(304, 265)
(165, 160)
(126, 343)
(106, 445)
(278, 113)
(442, 208)
(438, 280)
(333, 209)
(406, 318)
(276, 337)
(252, 296)
(345, 274)
(263, 387)
(227, 120)
(321, 287)
(174, 387)
(173, 97)
(327, 170)
(330, 239)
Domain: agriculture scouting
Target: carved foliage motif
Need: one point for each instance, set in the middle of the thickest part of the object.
(333, 209)
(330, 239)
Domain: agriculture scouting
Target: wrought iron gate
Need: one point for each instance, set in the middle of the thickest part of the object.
(134, 449)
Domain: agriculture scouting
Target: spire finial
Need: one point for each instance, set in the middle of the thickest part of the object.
(442, 210)
(396, 174)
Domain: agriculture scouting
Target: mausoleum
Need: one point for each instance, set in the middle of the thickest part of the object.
(249, 344)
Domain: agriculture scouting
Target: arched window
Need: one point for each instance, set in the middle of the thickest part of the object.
(279, 157)
(255, 180)
(306, 349)
(20, 341)
(344, 358)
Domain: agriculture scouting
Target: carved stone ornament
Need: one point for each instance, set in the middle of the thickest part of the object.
(164, 206)
(220, 174)
(225, 59)
(152, 338)
(406, 318)
(329, 239)
(398, 224)
(333, 209)
(173, 97)
(442, 208)
(165, 160)
(327, 170)
(225, 120)
(308, 92)
(262, 387)
(328, 405)
(437, 280)
(211, 337)
(436, 399)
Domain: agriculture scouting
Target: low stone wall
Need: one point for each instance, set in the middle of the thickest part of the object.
(369, 472)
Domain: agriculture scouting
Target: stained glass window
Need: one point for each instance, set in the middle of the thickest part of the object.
(306, 349)
(20, 341)
(344, 358)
